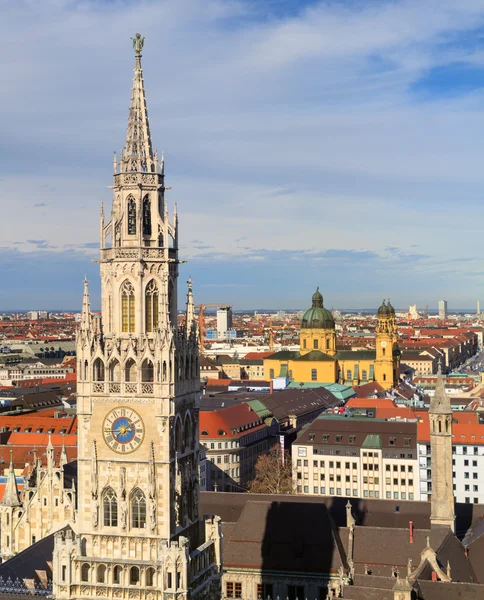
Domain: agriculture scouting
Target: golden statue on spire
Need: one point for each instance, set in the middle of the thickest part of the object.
(138, 43)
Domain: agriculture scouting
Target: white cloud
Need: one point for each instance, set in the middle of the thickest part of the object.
(297, 132)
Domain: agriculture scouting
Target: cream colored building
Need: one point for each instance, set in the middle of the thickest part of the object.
(357, 457)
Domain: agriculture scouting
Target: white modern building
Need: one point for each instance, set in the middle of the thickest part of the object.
(442, 310)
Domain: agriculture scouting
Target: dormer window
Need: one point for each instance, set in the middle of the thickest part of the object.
(204, 432)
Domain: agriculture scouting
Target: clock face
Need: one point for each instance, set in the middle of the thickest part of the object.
(123, 430)
(383, 344)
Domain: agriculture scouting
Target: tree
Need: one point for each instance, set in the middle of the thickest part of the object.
(271, 476)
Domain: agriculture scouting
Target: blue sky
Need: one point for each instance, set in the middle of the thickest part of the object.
(337, 144)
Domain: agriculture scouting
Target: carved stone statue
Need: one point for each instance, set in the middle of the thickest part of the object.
(138, 43)
(95, 513)
(124, 515)
(153, 516)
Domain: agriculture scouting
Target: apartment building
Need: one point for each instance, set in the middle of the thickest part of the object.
(357, 456)
(234, 438)
(467, 457)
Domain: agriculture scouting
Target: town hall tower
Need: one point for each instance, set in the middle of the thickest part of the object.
(139, 533)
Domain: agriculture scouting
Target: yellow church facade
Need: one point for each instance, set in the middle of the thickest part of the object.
(319, 361)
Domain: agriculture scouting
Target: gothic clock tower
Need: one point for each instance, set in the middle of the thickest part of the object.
(139, 533)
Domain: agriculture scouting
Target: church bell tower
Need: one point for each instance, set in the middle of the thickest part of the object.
(139, 532)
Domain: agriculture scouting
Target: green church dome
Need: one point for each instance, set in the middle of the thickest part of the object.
(317, 317)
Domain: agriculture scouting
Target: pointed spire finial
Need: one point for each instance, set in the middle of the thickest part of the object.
(137, 155)
(440, 402)
(11, 496)
(190, 316)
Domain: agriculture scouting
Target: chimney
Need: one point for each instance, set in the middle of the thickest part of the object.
(410, 523)
(434, 576)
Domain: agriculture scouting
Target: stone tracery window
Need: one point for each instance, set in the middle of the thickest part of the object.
(127, 307)
(138, 509)
(146, 215)
(151, 306)
(131, 216)
(110, 508)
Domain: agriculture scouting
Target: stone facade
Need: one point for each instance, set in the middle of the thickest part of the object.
(139, 533)
(440, 415)
(45, 504)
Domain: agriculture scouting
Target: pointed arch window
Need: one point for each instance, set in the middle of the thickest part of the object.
(151, 306)
(110, 508)
(146, 216)
(131, 216)
(127, 308)
(138, 509)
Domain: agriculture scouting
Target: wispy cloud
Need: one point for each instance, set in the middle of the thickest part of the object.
(330, 139)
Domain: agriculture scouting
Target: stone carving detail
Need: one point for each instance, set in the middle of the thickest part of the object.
(148, 179)
(152, 488)
(114, 388)
(131, 388)
(130, 178)
(146, 388)
(98, 388)
(94, 486)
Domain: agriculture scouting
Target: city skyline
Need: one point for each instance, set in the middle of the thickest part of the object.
(337, 158)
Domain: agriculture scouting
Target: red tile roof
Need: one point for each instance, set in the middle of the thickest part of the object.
(234, 421)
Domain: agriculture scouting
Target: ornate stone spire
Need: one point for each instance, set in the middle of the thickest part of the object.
(190, 316)
(10, 496)
(63, 458)
(440, 403)
(138, 153)
(86, 307)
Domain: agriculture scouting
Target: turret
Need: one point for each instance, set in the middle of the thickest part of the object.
(440, 416)
(11, 496)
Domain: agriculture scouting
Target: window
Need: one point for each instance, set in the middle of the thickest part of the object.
(131, 216)
(339, 439)
(352, 439)
(406, 441)
(85, 572)
(349, 375)
(134, 576)
(392, 441)
(325, 438)
(150, 577)
(138, 509)
(101, 573)
(295, 591)
(466, 475)
(315, 344)
(466, 463)
(117, 574)
(146, 215)
(110, 508)
(151, 306)
(127, 308)
(314, 374)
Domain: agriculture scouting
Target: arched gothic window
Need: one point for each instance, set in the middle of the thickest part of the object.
(134, 576)
(138, 509)
(151, 306)
(114, 370)
(130, 371)
(147, 370)
(98, 370)
(146, 215)
(131, 216)
(85, 572)
(127, 308)
(117, 574)
(101, 573)
(110, 508)
(150, 577)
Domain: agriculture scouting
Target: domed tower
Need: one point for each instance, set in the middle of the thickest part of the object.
(317, 328)
(387, 365)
